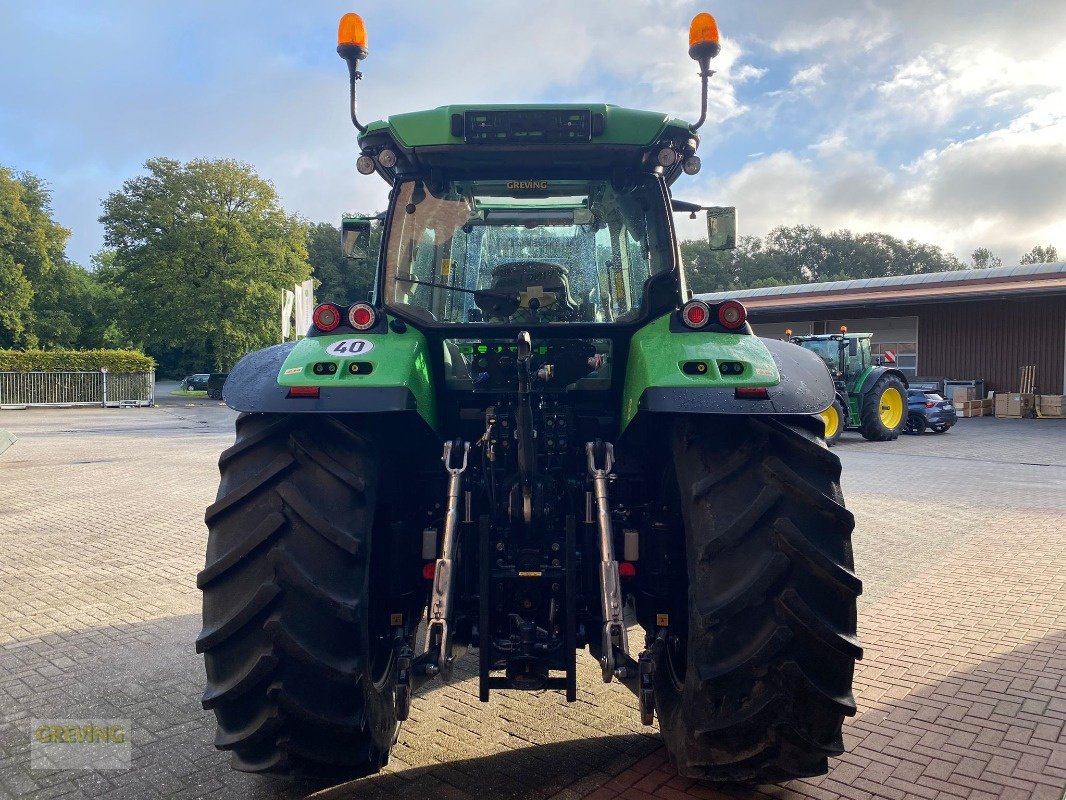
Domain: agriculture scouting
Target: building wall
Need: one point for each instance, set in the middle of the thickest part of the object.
(989, 340)
(993, 340)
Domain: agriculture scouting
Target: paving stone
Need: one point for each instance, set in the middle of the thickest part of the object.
(961, 694)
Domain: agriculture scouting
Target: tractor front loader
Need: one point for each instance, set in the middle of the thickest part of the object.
(528, 440)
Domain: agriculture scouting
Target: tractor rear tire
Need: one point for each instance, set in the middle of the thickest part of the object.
(300, 682)
(882, 414)
(754, 686)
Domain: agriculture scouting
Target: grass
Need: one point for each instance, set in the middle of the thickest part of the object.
(189, 393)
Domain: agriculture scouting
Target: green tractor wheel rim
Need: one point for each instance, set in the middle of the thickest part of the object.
(891, 407)
(831, 420)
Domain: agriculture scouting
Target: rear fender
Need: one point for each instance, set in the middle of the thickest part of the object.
(796, 379)
(391, 376)
(876, 374)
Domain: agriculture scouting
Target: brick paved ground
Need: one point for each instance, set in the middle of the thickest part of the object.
(962, 693)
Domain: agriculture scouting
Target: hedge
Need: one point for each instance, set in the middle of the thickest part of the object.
(75, 361)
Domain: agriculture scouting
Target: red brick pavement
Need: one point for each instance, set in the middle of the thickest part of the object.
(962, 693)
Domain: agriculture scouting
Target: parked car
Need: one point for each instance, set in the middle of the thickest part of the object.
(215, 382)
(195, 383)
(928, 411)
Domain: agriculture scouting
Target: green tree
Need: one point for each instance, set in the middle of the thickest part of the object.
(983, 258)
(31, 244)
(705, 269)
(202, 251)
(112, 331)
(340, 280)
(850, 256)
(76, 309)
(804, 254)
(799, 252)
(16, 292)
(1041, 255)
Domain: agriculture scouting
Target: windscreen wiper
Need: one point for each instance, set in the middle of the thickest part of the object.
(478, 292)
(498, 304)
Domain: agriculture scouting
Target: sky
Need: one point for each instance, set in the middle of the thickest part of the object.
(942, 121)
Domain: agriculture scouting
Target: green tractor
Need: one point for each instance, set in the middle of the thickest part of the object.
(869, 397)
(530, 442)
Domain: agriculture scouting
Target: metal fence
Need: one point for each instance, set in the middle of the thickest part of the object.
(21, 389)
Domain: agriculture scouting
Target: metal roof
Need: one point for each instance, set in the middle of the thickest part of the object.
(957, 284)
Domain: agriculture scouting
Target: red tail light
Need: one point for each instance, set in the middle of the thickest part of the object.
(732, 314)
(361, 316)
(429, 571)
(695, 313)
(930, 404)
(627, 569)
(303, 391)
(751, 393)
(326, 317)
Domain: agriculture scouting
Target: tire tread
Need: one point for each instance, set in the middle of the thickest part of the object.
(285, 635)
(771, 641)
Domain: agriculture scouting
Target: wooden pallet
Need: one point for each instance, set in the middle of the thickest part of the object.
(976, 408)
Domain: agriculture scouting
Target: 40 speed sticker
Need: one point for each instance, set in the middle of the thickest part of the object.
(350, 347)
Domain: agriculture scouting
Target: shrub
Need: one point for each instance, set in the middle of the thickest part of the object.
(74, 361)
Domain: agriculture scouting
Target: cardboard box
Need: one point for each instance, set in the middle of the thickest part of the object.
(1014, 406)
(1050, 405)
(963, 394)
(1019, 405)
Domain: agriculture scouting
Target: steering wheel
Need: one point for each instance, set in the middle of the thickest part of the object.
(532, 287)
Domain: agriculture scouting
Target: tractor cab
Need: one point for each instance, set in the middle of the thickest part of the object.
(528, 216)
(847, 356)
(477, 252)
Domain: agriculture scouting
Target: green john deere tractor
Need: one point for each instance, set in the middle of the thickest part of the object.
(530, 440)
(869, 397)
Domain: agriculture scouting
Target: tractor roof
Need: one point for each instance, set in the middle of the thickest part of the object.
(555, 141)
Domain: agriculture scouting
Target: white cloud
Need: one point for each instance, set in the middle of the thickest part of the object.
(863, 31)
(746, 72)
(834, 143)
(961, 142)
(809, 77)
(1005, 190)
(676, 86)
(939, 83)
(267, 89)
(926, 122)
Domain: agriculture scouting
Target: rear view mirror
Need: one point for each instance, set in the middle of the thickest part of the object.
(722, 227)
(355, 238)
(853, 347)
